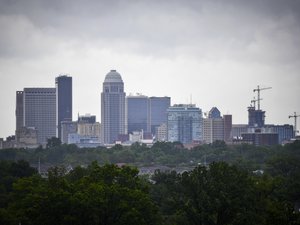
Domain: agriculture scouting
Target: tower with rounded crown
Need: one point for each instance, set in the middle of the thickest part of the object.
(112, 107)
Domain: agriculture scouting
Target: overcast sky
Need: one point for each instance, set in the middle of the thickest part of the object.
(216, 51)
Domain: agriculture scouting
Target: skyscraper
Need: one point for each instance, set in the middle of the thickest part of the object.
(184, 124)
(137, 113)
(63, 101)
(19, 110)
(158, 111)
(216, 127)
(112, 107)
(256, 117)
(40, 112)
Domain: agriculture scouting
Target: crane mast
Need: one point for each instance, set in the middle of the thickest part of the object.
(254, 101)
(295, 121)
(258, 89)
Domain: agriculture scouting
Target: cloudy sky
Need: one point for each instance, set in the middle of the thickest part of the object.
(213, 53)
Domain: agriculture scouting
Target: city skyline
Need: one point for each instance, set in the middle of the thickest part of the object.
(214, 51)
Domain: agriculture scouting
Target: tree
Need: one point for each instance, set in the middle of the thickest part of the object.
(96, 195)
(53, 142)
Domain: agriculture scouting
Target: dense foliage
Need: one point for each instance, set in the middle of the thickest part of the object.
(161, 153)
(220, 193)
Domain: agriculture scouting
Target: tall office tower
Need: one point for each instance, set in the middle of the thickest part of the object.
(158, 111)
(63, 101)
(40, 112)
(256, 118)
(184, 123)
(216, 127)
(137, 113)
(227, 128)
(19, 110)
(112, 107)
(213, 130)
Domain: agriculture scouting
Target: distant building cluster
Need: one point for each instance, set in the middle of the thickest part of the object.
(43, 113)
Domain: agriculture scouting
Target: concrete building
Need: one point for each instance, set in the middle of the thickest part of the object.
(40, 112)
(216, 127)
(67, 127)
(89, 129)
(285, 132)
(63, 101)
(256, 118)
(238, 130)
(213, 130)
(158, 111)
(137, 113)
(26, 137)
(258, 138)
(227, 128)
(161, 133)
(184, 123)
(84, 141)
(112, 107)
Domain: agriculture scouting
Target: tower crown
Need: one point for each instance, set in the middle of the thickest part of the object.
(113, 77)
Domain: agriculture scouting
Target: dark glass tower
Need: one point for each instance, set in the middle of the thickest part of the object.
(137, 109)
(63, 101)
(158, 111)
(19, 110)
(112, 107)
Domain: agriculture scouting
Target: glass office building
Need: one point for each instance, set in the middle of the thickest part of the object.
(184, 123)
(137, 113)
(63, 101)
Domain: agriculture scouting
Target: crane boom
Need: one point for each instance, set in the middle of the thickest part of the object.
(258, 89)
(295, 121)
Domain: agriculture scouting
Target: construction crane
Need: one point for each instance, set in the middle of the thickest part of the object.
(254, 101)
(295, 118)
(258, 89)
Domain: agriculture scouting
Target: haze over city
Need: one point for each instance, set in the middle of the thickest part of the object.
(213, 53)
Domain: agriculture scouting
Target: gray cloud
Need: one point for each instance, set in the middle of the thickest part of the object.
(197, 44)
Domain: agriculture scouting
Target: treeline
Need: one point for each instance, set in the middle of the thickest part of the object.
(161, 153)
(217, 194)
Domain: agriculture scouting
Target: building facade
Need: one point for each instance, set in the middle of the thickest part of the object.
(158, 111)
(161, 133)
(227, 128)
(40, 112)
(112, 107)
(216, 127)
(184, 124)
(63, 101)
(213, 130)
(137, 114)
(19, 110)
(67, 128)
(256, 118)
